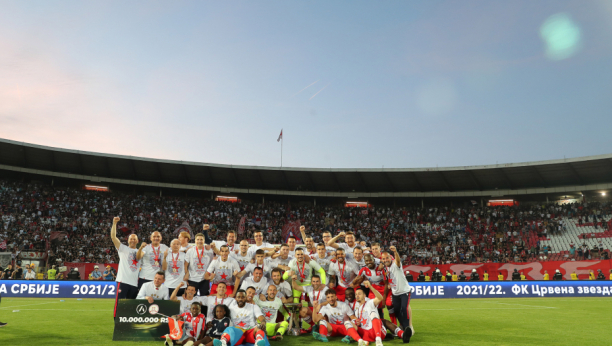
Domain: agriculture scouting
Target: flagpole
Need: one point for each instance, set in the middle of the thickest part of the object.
(282, 151)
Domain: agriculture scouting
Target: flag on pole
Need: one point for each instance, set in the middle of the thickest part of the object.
(241, 225)
(3, 245)
(280, 136)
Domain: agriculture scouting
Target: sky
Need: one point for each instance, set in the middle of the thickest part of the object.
(352, 84)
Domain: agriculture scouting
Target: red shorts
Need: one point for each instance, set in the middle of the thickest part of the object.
(248, 337)
(340, 292)
(369, 335)
(337, 330)
(213, 290)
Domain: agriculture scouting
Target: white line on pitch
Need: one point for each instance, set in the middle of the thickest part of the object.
(60, 310)
(14, 306)
(479, 309)
(532, 306)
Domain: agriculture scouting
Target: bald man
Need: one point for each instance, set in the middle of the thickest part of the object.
(150, 257)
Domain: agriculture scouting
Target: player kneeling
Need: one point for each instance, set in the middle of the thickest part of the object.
(332, 320)
(270, 306)
(369, 323)
(249, 322)
(193, 327)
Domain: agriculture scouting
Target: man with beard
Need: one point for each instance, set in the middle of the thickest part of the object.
(357, 257)
(376, 278)
(283, 288)
(316, 293)
(249, 319)
(186, 299)
(281, 259)
(174, 266)
(350, 244)
(230, 243)
(399, 289)
(312, 250)
(150, 257)
(332, 319)
(259, 244)
(322, 257)
(198, 259)
(242, 257)
(270, 306)
(127, 276)
(222, 269)
(369, 322)
(304, 271)
(220, 298)
(343, 272)
(260, 262)
(256, 281)
(154, 290)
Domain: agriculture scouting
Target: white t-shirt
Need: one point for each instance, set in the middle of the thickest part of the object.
(338, 314)
(269, 309)
(128, 266)
(243, 261)
(244, 317)
(281, 261)
(366, 312)
(259, 286)
(186, 304)
(316, 295)
(283, 290)
(345, 272)
(254, 248)
(211, 302)
(375, 276)
(266, 266)
(397, 280)
(151, 261)
(232, 248)
(224, 271)
(148, 289)
(347, 249)
(175, 271)
(198, 261)
(323, 262)
(304, 271)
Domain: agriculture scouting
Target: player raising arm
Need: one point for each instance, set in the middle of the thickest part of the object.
(332, 319)
(127, 276)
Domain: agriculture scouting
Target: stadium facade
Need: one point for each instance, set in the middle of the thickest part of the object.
(552, 180)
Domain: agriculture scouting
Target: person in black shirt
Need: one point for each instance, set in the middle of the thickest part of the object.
(8, 273)
(421, 277)
(449, 276)
(462, 277)
(409, 277)
(18, 273)
(474, 276)
(557, 276)
(516, 276)
(217, 326)
(74, 274)
(600, 276)
(437, 276)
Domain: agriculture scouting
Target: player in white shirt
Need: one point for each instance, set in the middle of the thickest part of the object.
(357, 256)
(256, 281)
(260, 262)
(315, 292)
(127, 275)
(335, 320)
(154, 290)
(281, 258)
(198, 259)
(222, 269)
(184, 238)
(283, 288)
(291, 242)
(259, 244)
(322, 258)
(186, 299)
(350, 244)
(376, 277)
(150, 257)
(369, 323)
(304, 271)
(249, 319)
(231, 242)
(311, 247)
(270, 306)
(344, 272)
(399, 288)
(242, 257)
(174, 266)
(220, 298)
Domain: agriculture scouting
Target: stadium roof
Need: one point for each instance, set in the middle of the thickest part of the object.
(541, 177)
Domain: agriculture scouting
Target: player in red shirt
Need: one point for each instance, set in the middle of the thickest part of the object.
(193, 327)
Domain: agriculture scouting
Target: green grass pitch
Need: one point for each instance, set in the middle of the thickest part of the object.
(511, 321)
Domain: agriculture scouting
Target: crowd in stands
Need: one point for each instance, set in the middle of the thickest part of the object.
(73, 224)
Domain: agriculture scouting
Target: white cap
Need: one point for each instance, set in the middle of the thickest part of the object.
(407, 271)
(473, 270)
(557, 270)
(96, 267)
(437, 270)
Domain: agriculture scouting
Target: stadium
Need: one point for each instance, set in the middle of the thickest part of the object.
(560, 206)
(304, 173)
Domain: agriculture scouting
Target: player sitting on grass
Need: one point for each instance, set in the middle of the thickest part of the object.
(216, 327)
(193, 327)
(332, 320)
(249, 324)
(316, 293)
(270, 305)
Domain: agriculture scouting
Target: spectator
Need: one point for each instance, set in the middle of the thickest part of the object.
(600, 275)
(18, 272)
(95, 274)
(109, 274)
(462, 277)
(30, 273)
(74, 274)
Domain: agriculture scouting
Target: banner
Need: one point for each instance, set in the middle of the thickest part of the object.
(532, 270)
(241, 225)
(5, 259)
(184, 227)
(292, 228)
(58, 289)
(33, 255)
(135, 322)
(510, 289)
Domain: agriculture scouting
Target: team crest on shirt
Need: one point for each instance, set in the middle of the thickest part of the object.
(133, 262)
